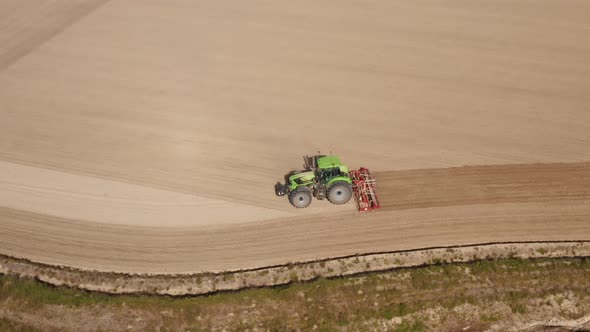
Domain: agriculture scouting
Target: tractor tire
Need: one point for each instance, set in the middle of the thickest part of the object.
(300, 197)
(339, 192)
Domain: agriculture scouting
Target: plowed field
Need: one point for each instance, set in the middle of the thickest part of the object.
(147, 136)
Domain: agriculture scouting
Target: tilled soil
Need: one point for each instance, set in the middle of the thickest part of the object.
(514, 203)
(147, 136)
(484, 185)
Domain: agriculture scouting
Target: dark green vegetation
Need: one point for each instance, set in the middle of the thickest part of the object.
(446, 297)
(7, 325)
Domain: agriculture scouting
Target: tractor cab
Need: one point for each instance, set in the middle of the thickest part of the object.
(329, 167)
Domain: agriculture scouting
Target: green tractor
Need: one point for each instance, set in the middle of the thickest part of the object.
(324, 177)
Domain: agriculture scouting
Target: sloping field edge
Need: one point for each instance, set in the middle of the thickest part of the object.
(209, 283)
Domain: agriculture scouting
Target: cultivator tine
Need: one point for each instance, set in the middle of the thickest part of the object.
(363, 186)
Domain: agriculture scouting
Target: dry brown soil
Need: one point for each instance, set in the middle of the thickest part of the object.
(146, 136)
(473, 205)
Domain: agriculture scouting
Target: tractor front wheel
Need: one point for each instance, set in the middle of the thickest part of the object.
(300, 197)
(339, 192)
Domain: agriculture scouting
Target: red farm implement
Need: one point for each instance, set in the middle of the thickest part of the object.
(363, 186)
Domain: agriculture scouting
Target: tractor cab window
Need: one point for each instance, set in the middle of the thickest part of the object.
(327, 173)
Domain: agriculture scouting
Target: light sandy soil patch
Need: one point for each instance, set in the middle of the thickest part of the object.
(87, 198)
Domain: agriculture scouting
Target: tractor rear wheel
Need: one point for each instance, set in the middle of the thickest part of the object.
(300, 197)
(339, 192)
